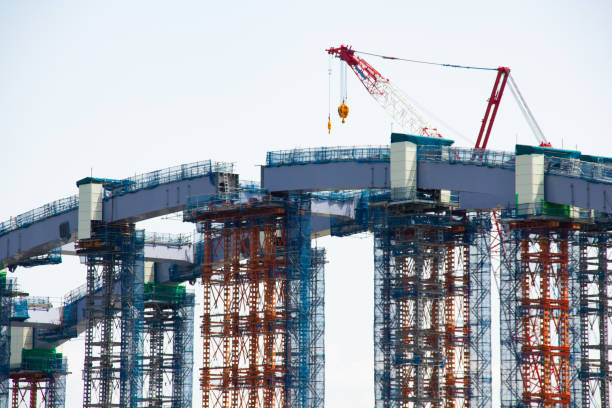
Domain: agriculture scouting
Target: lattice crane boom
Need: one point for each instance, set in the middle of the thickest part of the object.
(382, 90)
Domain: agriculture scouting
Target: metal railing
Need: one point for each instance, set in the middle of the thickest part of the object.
(460, 155)
(576, 168)
(328, 154)
(81, 291)
(51, 209)
(178, 240)
(164, 176)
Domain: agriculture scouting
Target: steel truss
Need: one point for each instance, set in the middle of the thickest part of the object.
(431, 321)
(37, 389)
(112, 374)
(168, 357)
(595, 265)
(262, 326)
(5, 337)
(539, 266)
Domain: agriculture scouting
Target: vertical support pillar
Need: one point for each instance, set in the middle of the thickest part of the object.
(5, 338)
(432, 310)
(529, 183)
(228, 334)
(262, 325)
(168, 359)
(112, 373)
(595, 315)
(132, 311)
(479, 316)
(537, 257)
(182, 354)
(403, 169)
(384, 373)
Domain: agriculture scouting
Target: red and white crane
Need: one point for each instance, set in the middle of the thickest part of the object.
(407, 116)
(382, 90)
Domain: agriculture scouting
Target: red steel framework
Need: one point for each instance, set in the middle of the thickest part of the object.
(32, 390)
(544, 303)
(457, 328)
(244, 322)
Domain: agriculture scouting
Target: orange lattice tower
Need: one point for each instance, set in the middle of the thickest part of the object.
(244, 327)
(544, 307)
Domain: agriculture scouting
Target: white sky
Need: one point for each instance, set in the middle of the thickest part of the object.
(117, 88)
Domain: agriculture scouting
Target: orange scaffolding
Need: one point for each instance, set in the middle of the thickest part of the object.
(244, 322)
(457, 328)
(544, 307)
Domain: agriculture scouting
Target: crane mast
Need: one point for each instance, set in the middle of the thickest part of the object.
(382, 90)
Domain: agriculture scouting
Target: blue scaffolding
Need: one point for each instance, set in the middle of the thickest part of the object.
(521, 263)
(305, 314)
(283, 280)
(182, 366)
(112, 373)
(421, 261)
(5, 336)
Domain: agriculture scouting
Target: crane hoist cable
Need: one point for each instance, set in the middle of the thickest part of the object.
(329, 75)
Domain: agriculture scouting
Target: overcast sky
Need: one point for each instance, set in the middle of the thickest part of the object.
(116, 88)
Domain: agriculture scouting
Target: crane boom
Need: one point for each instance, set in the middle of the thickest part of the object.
(489, 118)
(382, 90)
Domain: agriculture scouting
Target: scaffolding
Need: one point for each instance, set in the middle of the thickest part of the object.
(262, 326)
(5, 336)
(432, 309)
(31, 390)
(478, 239)
(40, 381)
(539, 304)
(595, 314)
(168, 357)
(112, 373)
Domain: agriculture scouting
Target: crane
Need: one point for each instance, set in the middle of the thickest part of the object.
(383, 91)
(407, 116)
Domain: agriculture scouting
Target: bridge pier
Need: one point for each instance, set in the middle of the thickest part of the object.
(262, 326)
(112, 373)
(595, 314)
(432, 308)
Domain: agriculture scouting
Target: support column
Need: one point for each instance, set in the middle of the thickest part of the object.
(5, 337)
(423, 325)
(262, 325)
(168, 358)
(595, 317)
(231, 375)
(536, 261)
(112, 373)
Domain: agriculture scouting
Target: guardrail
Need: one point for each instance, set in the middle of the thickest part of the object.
(164, 176)
(577, 168)
(459, 155)
(178, 240)
(51, 209)
(328, 154)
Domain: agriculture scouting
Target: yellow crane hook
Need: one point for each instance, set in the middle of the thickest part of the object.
(343, 111)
